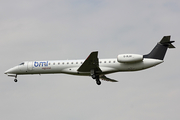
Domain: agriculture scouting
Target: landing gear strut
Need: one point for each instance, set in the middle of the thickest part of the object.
(95, 76)
(15, 80)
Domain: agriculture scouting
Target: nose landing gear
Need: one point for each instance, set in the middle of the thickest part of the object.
(15, 80)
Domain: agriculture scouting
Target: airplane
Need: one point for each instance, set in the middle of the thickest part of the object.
(93, 66)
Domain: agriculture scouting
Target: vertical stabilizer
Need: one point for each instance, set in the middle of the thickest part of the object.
(160, 49)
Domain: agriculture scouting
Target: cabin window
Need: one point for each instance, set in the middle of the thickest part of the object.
(53, 63)
(49, 63)
(81, 62)
(76, 62)
(104, 61)
(114, 61)
(109, 61)
(71, 62)
(58, 63)
(67, 62)
(100, 62)
(63, 63)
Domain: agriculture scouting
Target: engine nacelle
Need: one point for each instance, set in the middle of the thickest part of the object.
(129, 58)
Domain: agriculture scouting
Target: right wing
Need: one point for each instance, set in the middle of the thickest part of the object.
(103, 77)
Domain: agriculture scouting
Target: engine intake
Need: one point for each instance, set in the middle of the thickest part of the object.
(129, 58)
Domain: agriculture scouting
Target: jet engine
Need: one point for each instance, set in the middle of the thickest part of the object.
(129, 58)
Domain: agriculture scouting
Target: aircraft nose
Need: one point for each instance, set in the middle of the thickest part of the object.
(6, 72)
(13, 70)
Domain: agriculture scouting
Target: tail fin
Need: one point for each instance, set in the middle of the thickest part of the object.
(160, 49)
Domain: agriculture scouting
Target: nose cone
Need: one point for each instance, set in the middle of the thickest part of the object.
(13, 70)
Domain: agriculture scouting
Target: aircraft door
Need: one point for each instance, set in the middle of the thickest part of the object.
(30, 65)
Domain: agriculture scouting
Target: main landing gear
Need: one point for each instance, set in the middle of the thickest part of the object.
(95, 76)
(98, 81)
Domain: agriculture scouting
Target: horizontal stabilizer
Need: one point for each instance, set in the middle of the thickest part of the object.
(166, 41)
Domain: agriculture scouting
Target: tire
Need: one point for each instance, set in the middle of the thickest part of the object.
(98, 82)
(15, 80)
(94, 76)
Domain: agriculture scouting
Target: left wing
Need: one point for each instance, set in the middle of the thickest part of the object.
(91, 63)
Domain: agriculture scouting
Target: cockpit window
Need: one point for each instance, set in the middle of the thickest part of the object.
(21, 64)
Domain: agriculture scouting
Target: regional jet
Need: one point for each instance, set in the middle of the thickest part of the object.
(93, 66)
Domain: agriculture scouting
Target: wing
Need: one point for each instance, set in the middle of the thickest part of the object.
(103, 77)
(91, 63)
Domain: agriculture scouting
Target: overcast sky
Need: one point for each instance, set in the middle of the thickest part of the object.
(71, 29)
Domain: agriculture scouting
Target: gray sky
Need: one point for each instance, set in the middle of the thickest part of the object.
(71, 29)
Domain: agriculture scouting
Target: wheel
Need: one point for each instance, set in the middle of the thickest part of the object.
(15, 80)
(94, 76)
(98, 82)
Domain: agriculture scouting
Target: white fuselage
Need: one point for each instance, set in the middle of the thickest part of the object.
(95, 67)
(71, 66)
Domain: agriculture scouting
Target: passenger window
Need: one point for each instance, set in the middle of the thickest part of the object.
(53, 63)
(63, 63)
(76, 62)
(67, 62)
(109, 61)
(49, 63)
(114, 61)
(72, 63)
(104, 61)
(58, 63)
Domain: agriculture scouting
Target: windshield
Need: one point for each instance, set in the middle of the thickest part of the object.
(21, 64)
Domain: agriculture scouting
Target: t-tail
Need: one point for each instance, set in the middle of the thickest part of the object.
(160, 49)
